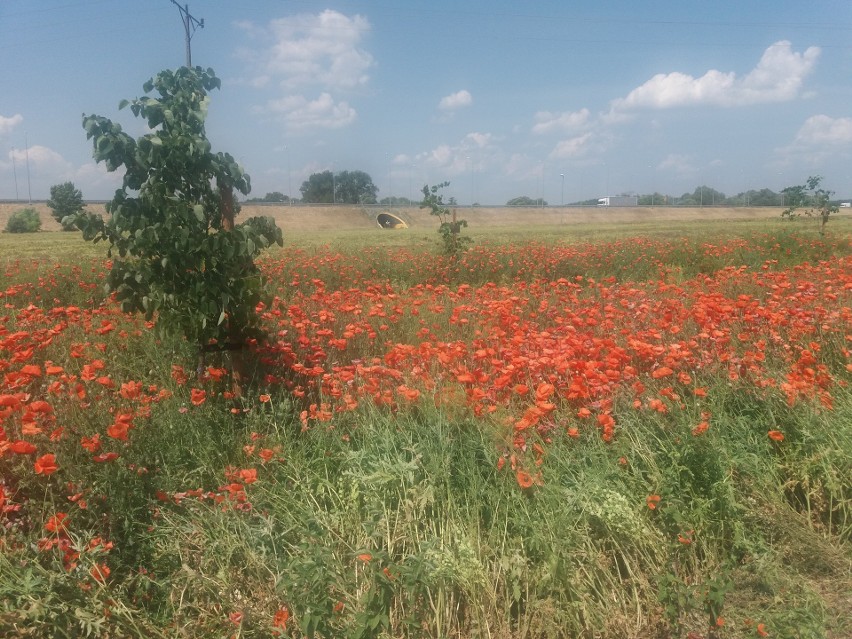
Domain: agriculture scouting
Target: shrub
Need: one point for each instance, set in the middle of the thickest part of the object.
(24, 221)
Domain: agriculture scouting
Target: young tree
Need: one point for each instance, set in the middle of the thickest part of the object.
(65, 200)
(450, 227)
(810, 197)
(177, 255)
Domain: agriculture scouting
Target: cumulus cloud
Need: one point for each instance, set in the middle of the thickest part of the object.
(778, 77)
(309, 50)
(294, 53)
(573, 148)
(474, 152)
(9, 123)
(824, 130)
(41, 159)
(456, 100)
(820, 138)
(547, 122)
(300, 114)
(677, 163)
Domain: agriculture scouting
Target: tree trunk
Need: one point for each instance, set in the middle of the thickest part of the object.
(238, 366)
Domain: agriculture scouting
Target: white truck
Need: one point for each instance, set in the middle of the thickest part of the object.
(619, 200)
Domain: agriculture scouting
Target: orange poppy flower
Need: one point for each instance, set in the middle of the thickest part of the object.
(282, 615)
(46, 464)
(776, 435)
(100, 573)
(653, 501)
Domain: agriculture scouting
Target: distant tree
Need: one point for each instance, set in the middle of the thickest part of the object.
(347, 187)
(395, 201)
(355, 187)
(810, 197)
(654, 199)
(524, 200)
(23, 221)
(318, 188)
(275, 196)
(65, 199)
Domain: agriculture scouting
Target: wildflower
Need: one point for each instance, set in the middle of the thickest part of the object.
(100, 573)
(236, 617)
(776, 435)
(652, 501)
(282, 615)
(198, 396)
(700, 429)
(21, 447)
(56, 524)
(46, 465)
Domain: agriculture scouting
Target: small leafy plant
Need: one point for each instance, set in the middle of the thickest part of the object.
(809, 196)
(450, 228)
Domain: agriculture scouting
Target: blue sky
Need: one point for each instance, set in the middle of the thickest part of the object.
(566, 101)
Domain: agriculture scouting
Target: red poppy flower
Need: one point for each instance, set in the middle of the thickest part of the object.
(46, 464)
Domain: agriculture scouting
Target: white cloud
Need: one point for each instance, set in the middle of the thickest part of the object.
(778, 77)
(41, 159)
(7, 124)
(300, 114)
(95, 181)
(547, 122)
(677, 163)
(456, 100)
(573, 148)
(310, 50)
(824, 130)
(820, 139)
(478, 140)
(474, 152)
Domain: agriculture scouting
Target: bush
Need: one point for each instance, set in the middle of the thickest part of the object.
(24, 221)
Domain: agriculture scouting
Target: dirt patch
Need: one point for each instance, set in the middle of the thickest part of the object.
(322, 218)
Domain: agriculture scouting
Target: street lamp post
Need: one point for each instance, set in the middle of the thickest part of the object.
(333, 189)
(562, 199)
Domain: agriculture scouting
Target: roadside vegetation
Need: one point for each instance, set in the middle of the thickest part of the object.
(635, 435)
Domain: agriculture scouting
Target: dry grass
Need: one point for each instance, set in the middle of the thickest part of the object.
(322, 218)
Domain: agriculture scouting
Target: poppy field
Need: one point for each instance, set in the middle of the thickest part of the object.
(646, 436)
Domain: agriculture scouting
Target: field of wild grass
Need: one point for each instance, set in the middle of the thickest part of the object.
(643, 435)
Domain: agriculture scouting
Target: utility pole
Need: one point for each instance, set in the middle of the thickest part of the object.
(189, 22)
(15, 173)
(27, 149)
